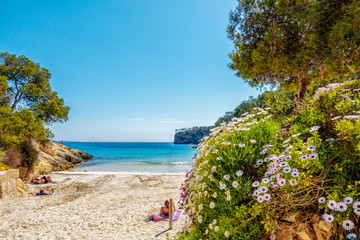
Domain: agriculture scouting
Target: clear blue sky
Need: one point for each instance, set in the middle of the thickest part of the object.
(131, 70)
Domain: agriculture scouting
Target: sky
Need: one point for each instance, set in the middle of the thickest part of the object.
(130, 70)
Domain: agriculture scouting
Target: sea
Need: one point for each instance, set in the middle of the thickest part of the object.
(138, 157)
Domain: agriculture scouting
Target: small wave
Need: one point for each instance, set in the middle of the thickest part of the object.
(155, 163)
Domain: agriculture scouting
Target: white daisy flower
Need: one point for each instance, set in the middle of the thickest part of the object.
(328, 217)
(219, 158)
(263, 152)
(287, 140)
(303, 157)
(267, 197)
(321, 200)
(215, 151)
(256, 193)
(200, 219)
(200, 207)
(341, 207)
(227, 234)
(211, 226)
(239, 173)
(351, 236)
(216, 228)
(214, 195)
(336, 118)
(212, 204)
(263, 189)
(235, 184)
(348, 225)
(295, 174)
(214, 222)
(260, 199)
(356, 205)
(226, 177)
(265, 180)
(252, 140)
(213, 169)
(314, 128)
(283, 164)
(313, 156)
(255, 184)
(288, 157)
(241, 145)
(227, 193)
(311, 148)
(206, 231)
(332, 204)
(357, 212)
(287, 169)
(228, 198)
(282, 182)
(226, 143)
(206, 173)
(222, 186)
(348, 200)
(266, 159)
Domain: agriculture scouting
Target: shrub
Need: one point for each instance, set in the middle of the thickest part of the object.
(251, 171)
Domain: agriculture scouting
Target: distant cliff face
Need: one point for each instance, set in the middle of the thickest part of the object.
(190, 137)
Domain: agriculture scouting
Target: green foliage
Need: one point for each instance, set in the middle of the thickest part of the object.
(4, 167)
(248, 173)
(284, 43)
(27, 105)
(268, 98)
(28, 86)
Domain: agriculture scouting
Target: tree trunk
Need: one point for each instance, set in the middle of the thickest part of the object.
(303, 86)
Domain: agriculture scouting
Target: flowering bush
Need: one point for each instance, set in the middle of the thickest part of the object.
(251, 171)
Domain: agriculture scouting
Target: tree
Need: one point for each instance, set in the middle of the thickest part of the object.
(28, 86)
(289, 42)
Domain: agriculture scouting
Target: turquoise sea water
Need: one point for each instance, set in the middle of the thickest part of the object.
(135, 157)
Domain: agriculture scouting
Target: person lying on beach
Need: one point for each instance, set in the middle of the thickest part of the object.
(46, 191)
(164, 211)
(42, 180)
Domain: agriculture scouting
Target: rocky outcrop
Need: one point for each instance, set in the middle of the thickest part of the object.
(292, 227)
(190, 137)
(11, 186)
(54, 157)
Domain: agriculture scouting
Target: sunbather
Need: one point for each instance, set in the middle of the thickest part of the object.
(46, 191)
(42, 180)
(164, 211)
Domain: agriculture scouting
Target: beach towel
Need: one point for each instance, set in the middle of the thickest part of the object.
(44, 194)
(41, 183)
(176, 216)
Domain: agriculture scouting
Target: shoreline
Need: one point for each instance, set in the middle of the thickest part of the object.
(117, 173)
(94, 205)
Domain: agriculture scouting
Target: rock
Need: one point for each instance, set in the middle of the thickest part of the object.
(291, 217)
(54, 157)
(325, 226)
(190, 137)
(318, 232)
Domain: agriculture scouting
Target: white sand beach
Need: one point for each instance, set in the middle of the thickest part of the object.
(93, 206)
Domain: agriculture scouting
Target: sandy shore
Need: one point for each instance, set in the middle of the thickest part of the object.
(93, 206)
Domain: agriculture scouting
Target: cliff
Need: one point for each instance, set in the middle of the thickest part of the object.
(190, 136)
(54, 157)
